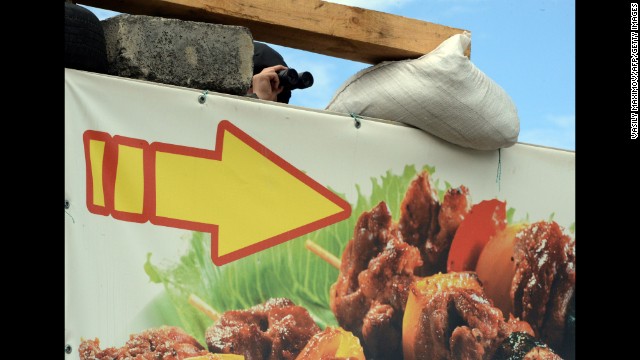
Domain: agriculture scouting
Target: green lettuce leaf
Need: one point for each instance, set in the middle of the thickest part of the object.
(287, 270)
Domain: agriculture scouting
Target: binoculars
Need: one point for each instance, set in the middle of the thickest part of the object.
(291, 80)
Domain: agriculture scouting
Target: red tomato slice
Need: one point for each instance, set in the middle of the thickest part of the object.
(482, 222)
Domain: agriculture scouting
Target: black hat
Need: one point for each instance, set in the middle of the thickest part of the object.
(264, 57)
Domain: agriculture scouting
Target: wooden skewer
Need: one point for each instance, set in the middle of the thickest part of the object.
(199, 304)
(323, 254)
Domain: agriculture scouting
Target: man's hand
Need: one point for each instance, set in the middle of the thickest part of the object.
(266, 84)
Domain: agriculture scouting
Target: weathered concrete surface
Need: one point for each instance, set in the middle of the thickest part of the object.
(184, 53)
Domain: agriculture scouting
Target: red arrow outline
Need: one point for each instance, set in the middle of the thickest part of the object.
(149, 205)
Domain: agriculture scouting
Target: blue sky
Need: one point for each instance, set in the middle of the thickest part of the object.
(527, 47)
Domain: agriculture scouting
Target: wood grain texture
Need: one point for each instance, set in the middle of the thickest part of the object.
(313, 25)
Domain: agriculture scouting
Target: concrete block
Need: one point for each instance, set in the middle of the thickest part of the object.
(185, 53)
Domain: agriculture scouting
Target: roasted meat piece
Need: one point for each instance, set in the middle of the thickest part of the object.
(275, 330)
(448, 316)
(529, 270)
(369, 296)
(523, 346)
(165, 343)
(544, 281)
(383, 258)
(429, 225)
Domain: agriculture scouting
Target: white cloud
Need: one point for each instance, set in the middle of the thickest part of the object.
(554, 130)
(564, 121)
(379, 5)
(457, 10)
(460, 1)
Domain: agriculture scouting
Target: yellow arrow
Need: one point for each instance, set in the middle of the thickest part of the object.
(245, 195)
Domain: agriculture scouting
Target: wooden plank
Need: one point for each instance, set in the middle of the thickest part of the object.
(322, 27)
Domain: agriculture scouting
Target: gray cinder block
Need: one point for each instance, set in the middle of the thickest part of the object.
(185, 53)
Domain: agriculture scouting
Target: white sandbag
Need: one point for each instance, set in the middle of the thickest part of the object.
(442, 93)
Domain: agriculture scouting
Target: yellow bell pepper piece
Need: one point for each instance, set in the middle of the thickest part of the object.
(332, 343)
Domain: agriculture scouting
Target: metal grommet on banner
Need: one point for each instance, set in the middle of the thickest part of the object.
(203, 97)
(67, 204)
(67, 349)
(356, 118)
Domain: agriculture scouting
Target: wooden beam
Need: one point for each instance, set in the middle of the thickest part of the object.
(313, 25)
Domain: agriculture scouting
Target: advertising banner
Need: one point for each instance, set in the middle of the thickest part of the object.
(201, 223)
